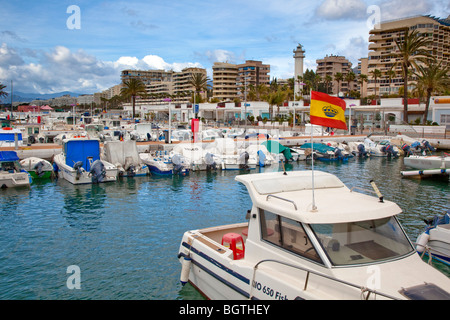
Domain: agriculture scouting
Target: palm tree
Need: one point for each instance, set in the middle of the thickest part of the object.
(133, 88)
(432, 77)
(275, 99)
(363, 78)
(410, 50)
(3, 93)
(338, 77)
(327, 81)
(376, 73)
(349, 77)
(390, 74)
(200, 83)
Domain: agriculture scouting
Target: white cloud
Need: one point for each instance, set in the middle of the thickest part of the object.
(64, 70)
(342, 9)
(396, 9)
(220, 55)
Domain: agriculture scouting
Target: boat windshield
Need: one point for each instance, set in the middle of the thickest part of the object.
(363, 241)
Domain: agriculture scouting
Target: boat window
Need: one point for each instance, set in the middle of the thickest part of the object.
(287, 234)
(363, 242)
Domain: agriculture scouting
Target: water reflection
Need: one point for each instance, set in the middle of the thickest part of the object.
(84, 206)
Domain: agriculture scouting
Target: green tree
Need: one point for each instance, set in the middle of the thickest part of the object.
(411, 49)
(275, 99)
(3, 93)
(433, 78)
(132, 89)
(376, 73)
(349, 77)
(200, 83)
(338, 77)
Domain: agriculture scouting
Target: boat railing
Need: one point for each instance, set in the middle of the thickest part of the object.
(274, 196)
(308, 272)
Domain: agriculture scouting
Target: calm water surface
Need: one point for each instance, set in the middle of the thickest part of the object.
(124, 236)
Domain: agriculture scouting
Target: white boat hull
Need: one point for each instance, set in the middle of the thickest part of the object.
(427, 162)
(12, 180)
(71, 175)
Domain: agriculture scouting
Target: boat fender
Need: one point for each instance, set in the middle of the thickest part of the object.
(422, 241)
(185, 269)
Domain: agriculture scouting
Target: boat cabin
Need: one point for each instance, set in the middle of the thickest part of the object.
(336, 232)
(84, 150)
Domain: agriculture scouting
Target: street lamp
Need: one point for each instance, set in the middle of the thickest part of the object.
(170, 120)
(350, 118)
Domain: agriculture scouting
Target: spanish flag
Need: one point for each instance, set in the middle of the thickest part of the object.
(327, 111)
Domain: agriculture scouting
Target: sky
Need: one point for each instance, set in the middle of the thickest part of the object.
(82, 46)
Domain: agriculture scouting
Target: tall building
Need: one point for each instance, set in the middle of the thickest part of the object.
(224, 81)
(252, 73)
(232, 81)
(161, 84)
(383, 49)
(330, 66)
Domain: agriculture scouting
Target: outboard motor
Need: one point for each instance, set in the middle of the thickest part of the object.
(362, 150)
(131, 171)
(428, 146)
(149, 137)
(338, 153)
(38, 167)
(178, 164)
(78, 167)
(407, 149)
(98, 171)
(210, 162)
(389, 150)
(243, 160)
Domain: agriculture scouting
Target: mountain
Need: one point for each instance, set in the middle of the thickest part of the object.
(28, 97)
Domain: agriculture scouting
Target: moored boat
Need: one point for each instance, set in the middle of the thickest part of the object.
(80, 163)
(125, 156)
(37, 167)
(435, 240)
(427, 162)
(308, 236)
(11, 173)
(162, 164)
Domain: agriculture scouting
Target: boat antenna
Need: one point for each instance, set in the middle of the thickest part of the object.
(377, 191)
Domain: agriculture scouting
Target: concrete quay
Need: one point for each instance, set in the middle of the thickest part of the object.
(48, 150)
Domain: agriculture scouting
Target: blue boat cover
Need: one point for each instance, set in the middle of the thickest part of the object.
(10, 136)
(321, 147)
(8, 156)
(82, 150)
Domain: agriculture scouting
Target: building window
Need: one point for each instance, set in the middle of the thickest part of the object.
(445, 119)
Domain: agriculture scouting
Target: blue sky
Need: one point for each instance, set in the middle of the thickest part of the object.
(41, 54)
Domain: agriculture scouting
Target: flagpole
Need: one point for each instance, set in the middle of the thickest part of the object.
(314, 208)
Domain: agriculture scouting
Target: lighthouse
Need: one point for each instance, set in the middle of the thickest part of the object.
(299, 55)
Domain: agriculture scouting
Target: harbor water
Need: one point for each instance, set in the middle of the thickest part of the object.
(122, 238)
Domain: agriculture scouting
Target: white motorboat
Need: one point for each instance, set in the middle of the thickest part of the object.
(125, 156)
(196, 158)
(80, 163)
(11, 173)
(162, 164)
(232, 153)
(38, 168)
(435, 240)
(381, 149)
(427, 162)
(326, 242)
